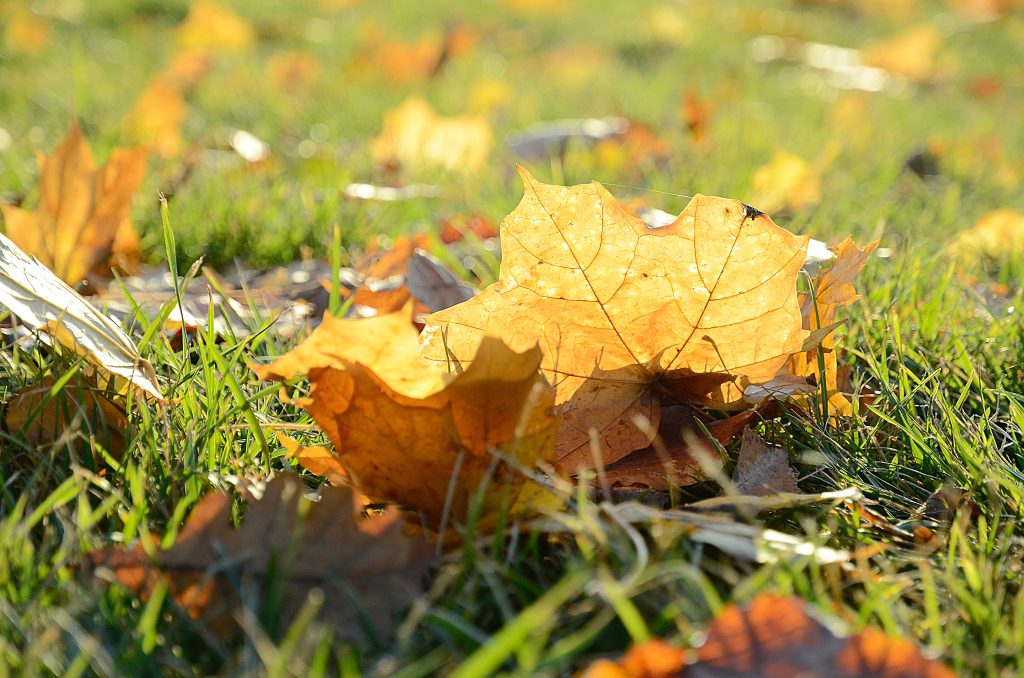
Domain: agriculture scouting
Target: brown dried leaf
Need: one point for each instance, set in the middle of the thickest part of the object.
(305, 546)
(82, 209)
(762, 470)
(402, 427)
(43, 418)
(631, 317)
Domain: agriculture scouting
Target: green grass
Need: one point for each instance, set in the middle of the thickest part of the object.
(944, 356)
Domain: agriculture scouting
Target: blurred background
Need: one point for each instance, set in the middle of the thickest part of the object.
(270, 122)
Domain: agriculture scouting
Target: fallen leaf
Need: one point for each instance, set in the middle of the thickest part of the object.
(213, 27)
(695, 114)
(46, 304)
(636, 148)
(402, 428)
(911, 54)
(367, 570)
(669, 461)
(652, 659)
(81, 208)
(434, 285)
(417, 138)
(762, 470)
(26, 32)
(455, 228)
(997, 235)
(788, 183)
(630, 317)
(42, 418)
(381, 54)
(833, 289)
(775, 636)
(160, 108)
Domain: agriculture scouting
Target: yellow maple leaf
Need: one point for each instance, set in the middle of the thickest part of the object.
(402, 428)
(83, 210)
(631, 317)
(416, 137)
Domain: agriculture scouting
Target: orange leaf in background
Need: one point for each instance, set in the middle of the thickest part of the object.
(635, 148)
(455, 228)
(367, 570)
(775, 637)
(156, 117)
(383, 274)
(910, 54)
(630, 317)
(78, 409)
(26, 32)
(417, 138)
(213, 27)
(82, 209)
(402, 427)
(380, 53)
(695, 114)
(160, 108)
(788, 183)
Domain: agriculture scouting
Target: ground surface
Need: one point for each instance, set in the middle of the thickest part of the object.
(938, 337)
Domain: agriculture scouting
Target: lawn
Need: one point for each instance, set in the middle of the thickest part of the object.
(901, 125)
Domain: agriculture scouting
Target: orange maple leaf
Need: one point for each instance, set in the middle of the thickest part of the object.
(82, 212)
(630, 317)
(402, 427)
(775, 636)
(832, 290)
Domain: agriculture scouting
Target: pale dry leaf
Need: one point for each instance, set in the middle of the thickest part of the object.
(46, 304)
(419, 139)
(630, 317)
(366, 568)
